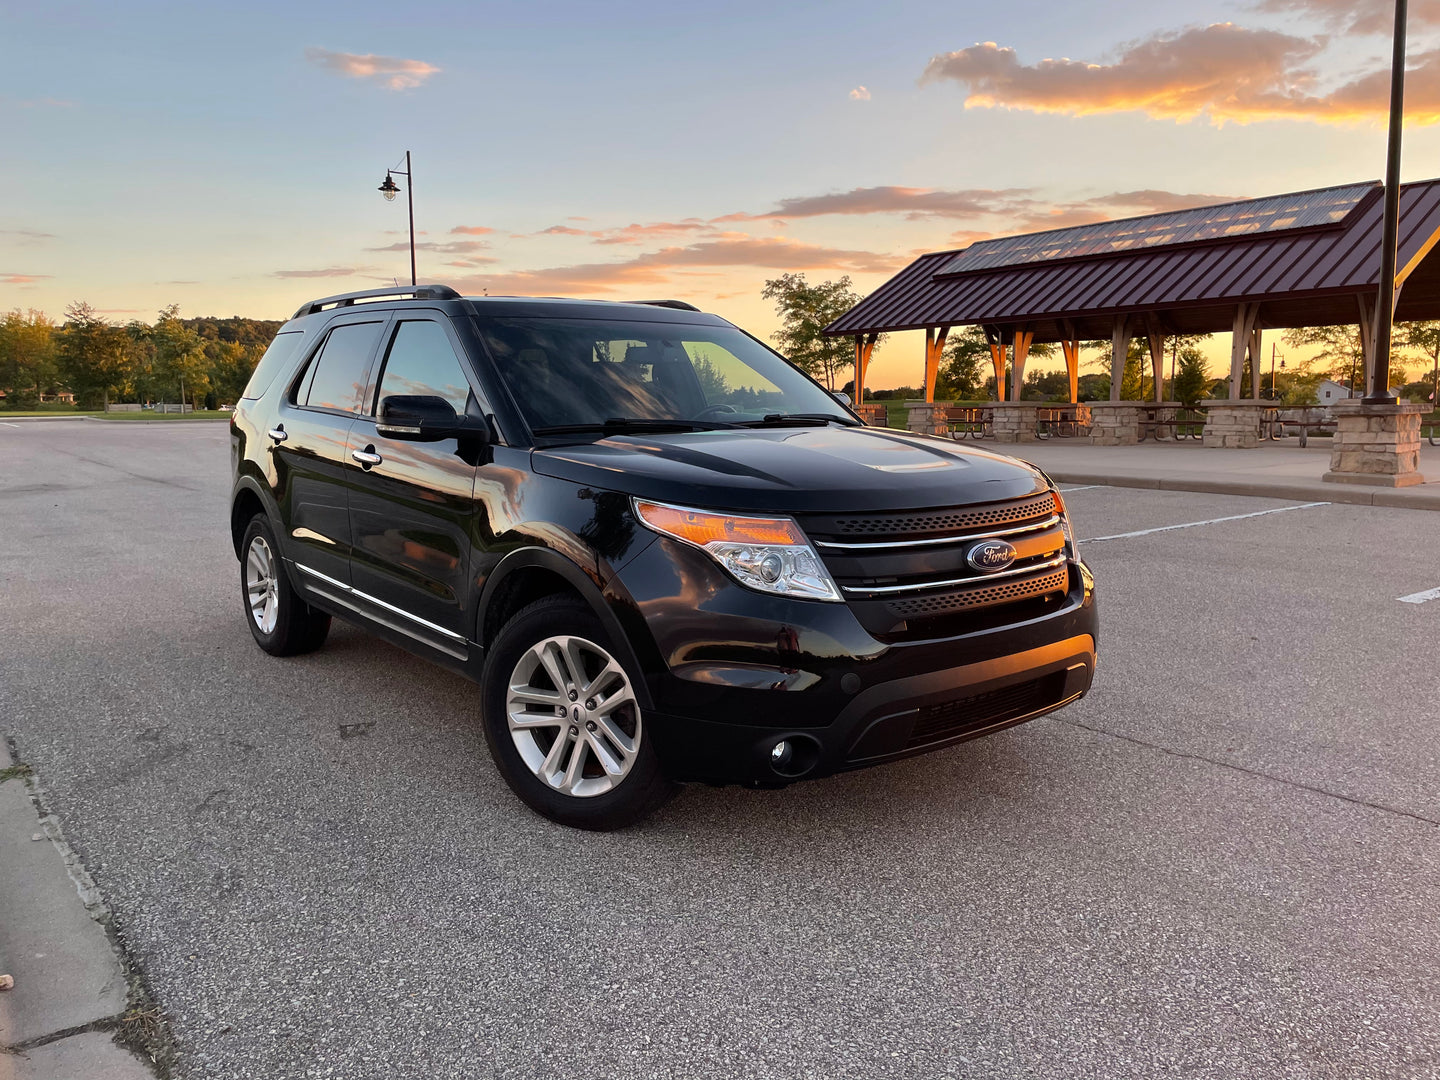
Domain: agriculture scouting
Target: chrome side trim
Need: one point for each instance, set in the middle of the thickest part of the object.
(959, 538)
(890, 590)
(351, 591)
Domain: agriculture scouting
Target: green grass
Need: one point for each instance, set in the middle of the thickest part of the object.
(67, 411)
(201, 414)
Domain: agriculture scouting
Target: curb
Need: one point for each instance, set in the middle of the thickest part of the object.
(1399, 498)
(73, 992)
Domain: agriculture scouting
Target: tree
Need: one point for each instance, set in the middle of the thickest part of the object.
(963, 365)
(804, 311)
(1424, 338)
(1192, 380)
(1340, 354)
(95, 356)
(27, 357)
(180, 359)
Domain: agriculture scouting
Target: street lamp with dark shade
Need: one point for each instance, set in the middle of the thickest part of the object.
(390, 189)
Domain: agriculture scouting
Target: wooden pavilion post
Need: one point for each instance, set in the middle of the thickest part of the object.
(1070, 346)
(864, 346)
(1367, 338)
(996, 341)
(1247, 317)
(934, 349)
(1017, 366)
(1119, 351)
(1155, 339)
(1256, 364)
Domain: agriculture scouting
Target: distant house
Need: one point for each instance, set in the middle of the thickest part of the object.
(1330, 392)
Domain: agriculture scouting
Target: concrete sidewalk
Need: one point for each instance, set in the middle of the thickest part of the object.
(70, 988)
(1273, 470)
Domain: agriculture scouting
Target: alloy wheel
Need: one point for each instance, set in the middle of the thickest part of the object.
(573, 716)
(262, 590)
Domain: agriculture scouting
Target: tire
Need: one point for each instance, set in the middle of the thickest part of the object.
(583, 765)
(282, 623)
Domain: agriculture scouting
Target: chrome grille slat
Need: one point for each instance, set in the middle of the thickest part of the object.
(915, 525)
(957, 538)
(861, 591)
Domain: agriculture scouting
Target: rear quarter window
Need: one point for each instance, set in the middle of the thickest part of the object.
(277, 357)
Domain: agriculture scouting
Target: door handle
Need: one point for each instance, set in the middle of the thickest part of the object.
(366, 458)
(278, 434)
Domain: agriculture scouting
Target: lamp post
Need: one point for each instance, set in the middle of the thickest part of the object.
(390, 189)
(1378, 392)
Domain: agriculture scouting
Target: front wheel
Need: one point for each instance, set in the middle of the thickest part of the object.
(563, 723)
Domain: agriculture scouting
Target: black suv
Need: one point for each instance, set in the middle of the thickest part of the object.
(663, 552)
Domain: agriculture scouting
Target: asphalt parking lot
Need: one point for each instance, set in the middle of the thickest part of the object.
(1225, 862)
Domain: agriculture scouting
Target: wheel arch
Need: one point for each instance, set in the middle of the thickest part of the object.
(247, 501)
(530, 573)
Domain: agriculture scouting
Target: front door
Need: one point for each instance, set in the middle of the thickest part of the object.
(311, 456)
(412, 510)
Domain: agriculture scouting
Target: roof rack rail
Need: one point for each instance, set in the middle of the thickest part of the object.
(414, 292)
(678, 305)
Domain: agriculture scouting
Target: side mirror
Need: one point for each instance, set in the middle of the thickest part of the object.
(425, 418)
(842, 397)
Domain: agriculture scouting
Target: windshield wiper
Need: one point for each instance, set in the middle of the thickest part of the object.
(797, 420)
(627, 425)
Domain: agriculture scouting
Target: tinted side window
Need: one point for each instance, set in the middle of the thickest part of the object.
(421, 361)
(281, 351)
(337, 374)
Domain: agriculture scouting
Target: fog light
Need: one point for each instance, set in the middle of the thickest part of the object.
(780, 754)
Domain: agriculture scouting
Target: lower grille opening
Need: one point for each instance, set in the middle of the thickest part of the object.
(951, 718)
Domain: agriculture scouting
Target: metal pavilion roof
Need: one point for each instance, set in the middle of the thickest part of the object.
(1302, 274)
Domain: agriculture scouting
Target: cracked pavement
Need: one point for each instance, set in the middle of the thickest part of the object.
(1223, 863)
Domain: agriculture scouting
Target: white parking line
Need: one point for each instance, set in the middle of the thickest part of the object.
(1193, 524)
(1083, 487)
(1420, 597)
(7, 423)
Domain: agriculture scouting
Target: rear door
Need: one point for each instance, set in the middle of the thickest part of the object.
(412, 512)
(312, 462)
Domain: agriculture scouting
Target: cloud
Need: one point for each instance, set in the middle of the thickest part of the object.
(472, 230)
(659, 267)
(915, 203)
(22, 279)
(390, 72)
(26, 236)
(639, 234)
(441, 247)
(860, 93)
(329, 271)
(1356, 16)
(1016, 205)
(1223, 71)
(562, 230)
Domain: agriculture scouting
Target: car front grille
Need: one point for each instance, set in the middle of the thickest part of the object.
(905, 573)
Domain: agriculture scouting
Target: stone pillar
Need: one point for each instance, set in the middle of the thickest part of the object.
(1015, 421)
(927, 417)
(1115, 423)
(1233, 423)
(1376, 444)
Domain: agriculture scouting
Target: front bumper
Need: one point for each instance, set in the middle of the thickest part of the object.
(733, 672)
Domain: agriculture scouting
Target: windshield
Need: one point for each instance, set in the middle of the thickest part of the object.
(577, 372)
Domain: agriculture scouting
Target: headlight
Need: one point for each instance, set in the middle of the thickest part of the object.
(1071, 551)
(766, 554)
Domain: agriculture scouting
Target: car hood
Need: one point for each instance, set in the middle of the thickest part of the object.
(793, 470)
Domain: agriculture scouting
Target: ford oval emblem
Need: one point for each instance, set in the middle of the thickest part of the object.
(991, 556)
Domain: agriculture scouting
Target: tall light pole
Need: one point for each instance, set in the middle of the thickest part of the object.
(1378, 392)
(390, 189)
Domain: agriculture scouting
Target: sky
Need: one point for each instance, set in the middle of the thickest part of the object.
(226, 157)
